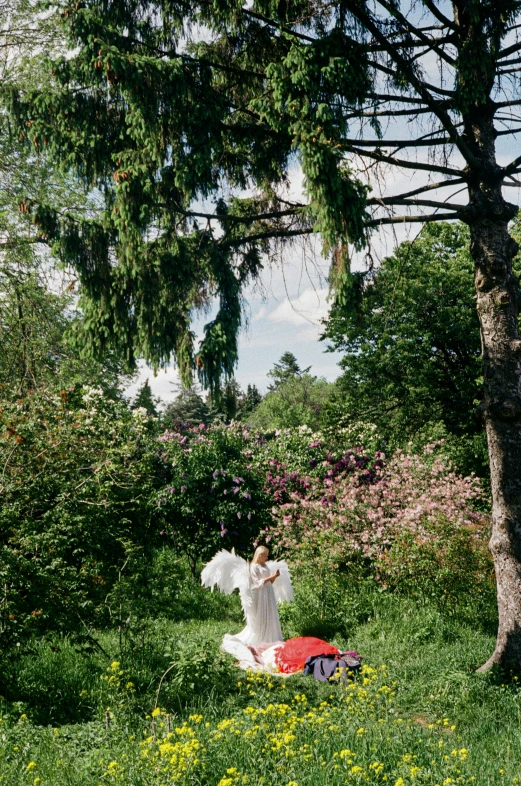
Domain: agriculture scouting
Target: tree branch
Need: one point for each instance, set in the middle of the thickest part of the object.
(510, 50)
(427, 85)
(401, 143)
(432, 187)
(389, 113)
(415, 82)
(399, 200)
(511, 168)
(446, 22)
(278, 25)
(240, 219)
(392, 10)
(400, 162)
(280, 233)
(421, 219)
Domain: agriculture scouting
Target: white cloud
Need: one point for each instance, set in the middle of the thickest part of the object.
(307, 309)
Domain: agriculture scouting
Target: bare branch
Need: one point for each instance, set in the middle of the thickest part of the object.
(432, 187)
(417, 81)
(420, 87)
(390, 113)
(510, 50)
(280, 233)
(435, 11)
(512, 167)
(421, 219)
(403, 99)
(400, 162)
(513, 102)
(415, 202)
(393, 11)
(508, 71)
(241, 219)
(398, 142)
(278, 25)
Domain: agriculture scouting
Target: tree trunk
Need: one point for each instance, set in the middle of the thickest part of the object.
(497, 292)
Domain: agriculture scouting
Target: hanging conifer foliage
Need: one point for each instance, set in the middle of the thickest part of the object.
(159, 120)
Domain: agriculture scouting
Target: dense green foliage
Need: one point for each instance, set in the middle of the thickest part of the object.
(411, 345)
(294, 398)
(153, 118)
(187, 409)
(213, 496)
(75, 509)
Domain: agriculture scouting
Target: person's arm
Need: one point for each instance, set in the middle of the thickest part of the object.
(271, 578)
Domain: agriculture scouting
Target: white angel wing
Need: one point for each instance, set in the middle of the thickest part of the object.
(228, 572)
(282, 585)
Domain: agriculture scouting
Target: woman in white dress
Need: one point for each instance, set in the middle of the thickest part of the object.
(261, 584)
(262, 622)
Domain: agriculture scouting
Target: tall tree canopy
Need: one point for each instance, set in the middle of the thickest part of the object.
(411, 348)
(174, 111)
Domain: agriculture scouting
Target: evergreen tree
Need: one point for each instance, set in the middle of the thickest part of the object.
(187, 409)
(224, 405)
(287, 368)
(296, 397)
(248, 402)
(145, 399)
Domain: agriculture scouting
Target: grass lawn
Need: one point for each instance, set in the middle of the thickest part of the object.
(419, 714)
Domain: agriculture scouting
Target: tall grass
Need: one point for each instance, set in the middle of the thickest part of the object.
(87, 717)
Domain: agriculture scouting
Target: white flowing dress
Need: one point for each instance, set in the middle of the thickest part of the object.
(259, 599)
(262, 620)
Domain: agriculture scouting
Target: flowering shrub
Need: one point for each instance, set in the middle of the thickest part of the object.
(213, 497)
(407, 522)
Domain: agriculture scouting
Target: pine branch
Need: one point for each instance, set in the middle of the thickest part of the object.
(399, 143)
(420, 142)
(427, 85)
(393, 11)
(412, 113)
(510, 50)
(512, 167)
(233, 219)
(278, 25)
(398, 98)
(512, 102)
(274, 235)
(414, 80)
(431, 187)
(420, 219)
(435, 11)
(399, 200)
(400, 162)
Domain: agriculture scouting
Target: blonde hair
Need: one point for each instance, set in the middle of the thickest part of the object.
(259, 550)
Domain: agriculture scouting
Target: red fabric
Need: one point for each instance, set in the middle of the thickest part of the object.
(292, 655)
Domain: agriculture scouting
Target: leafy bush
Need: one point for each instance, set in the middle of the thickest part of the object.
(198, 669)
(410, 523)
(78, 476)
(164, 587)
(213, 497)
